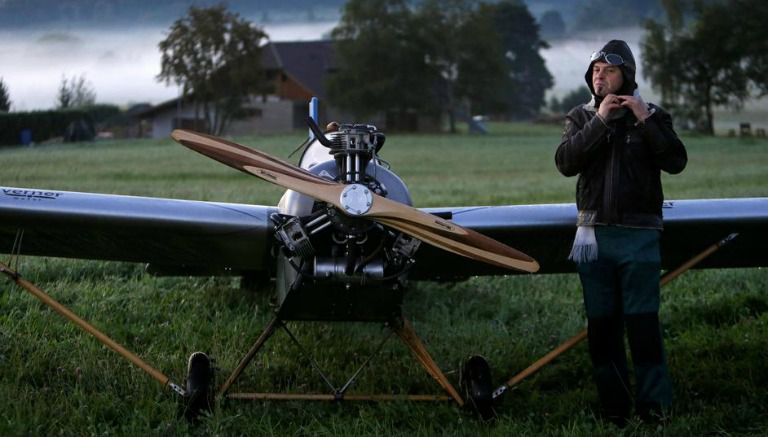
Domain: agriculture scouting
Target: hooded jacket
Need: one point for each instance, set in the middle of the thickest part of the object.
(619, 160)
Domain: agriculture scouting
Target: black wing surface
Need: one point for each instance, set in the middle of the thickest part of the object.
(545, 232)
(178, 237)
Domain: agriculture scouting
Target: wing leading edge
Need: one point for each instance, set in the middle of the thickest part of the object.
(173, 236)
(208, 238)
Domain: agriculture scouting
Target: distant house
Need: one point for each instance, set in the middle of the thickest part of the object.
(298, 71)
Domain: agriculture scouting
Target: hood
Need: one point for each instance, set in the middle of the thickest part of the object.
(628, 68)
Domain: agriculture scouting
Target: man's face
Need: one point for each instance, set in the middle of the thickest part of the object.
(606, 78)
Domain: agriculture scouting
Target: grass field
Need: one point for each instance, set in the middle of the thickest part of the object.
(55, 380)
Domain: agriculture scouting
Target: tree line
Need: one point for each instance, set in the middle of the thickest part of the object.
(438, 57)
(458, 57)
(476, 57)
(448, 57)
(76, 115)
(73, 92)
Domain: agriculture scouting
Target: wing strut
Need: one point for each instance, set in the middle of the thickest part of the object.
(90, 329)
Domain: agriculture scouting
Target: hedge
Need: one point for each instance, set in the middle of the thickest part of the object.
(70, 124)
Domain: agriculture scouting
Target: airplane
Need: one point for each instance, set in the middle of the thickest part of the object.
(341, 246)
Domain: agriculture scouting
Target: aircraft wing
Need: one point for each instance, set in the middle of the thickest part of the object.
(546, 233)
(207, 238)
(177, 237)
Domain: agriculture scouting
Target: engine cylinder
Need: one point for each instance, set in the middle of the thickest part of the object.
(334, 268)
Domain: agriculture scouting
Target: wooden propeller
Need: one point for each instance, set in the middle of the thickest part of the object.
(428, 228)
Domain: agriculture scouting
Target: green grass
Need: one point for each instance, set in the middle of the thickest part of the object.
(57, 380)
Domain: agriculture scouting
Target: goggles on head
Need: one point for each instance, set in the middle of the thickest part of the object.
(611, 58)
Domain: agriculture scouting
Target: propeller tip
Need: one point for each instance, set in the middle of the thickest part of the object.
(178, 134)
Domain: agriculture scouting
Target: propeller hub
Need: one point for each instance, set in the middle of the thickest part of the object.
(356, 199)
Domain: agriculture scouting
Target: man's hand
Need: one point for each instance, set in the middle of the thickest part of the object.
(634, 104)
(610, 103)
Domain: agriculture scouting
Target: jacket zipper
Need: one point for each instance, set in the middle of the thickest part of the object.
(609, 199)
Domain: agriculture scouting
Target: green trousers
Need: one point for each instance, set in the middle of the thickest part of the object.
(621, 290)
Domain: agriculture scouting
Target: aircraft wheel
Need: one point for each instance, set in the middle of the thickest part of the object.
(477, 388)
(200, 389)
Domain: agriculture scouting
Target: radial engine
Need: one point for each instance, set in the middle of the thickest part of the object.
(325, 255)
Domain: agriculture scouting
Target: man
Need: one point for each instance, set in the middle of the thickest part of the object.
(618, 145)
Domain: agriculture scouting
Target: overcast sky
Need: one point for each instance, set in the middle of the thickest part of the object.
(122, 64)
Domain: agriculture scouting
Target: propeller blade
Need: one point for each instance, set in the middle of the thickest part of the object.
(259, 164)
(472, 244)
(426, 227)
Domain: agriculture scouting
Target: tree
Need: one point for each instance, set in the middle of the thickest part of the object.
(714, 60)
(438, 57)
(215, 56)
(483, 68)
(5, 98)
(75, 92)
(527, 77)
(382, 60)
(465, 51)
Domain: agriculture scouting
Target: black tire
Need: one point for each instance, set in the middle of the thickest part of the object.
(476, 386)
(200, 387)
